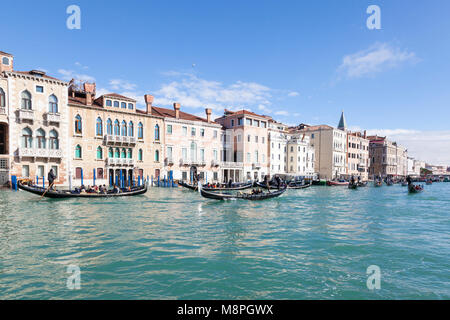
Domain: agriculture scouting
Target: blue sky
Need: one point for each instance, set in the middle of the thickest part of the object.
(298, 61)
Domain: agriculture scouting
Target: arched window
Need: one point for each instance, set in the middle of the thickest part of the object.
(99, 127)
(78, 124)
(117, 153)
(123, 105)
(124, 128)
(116, 128)
(130, 153)
(53, 104)
(78, 152)
(5, 61)
(140, 155)
(109, 127)
(130, 129)
(53, 140)
(157, 132)
(157, 156)
(99, 153)
(26, 100)
(140, 131)
(2, 98)
(27, 138)
(124, 153)
(40, 139)
(110, 153)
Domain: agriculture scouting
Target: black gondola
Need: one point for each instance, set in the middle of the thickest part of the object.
(62, 194)
(244, 196)
(298, 186)
(353, 186)
(240, 186)
(271, 185)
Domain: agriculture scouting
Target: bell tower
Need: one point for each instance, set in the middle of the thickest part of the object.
(6, 61)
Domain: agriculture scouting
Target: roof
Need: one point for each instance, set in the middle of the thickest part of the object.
(31, 73)
(170, 113)
(342, 122)
(313, 128)
(82, 101)
(5, 53)
(243, 111)
(118, 96)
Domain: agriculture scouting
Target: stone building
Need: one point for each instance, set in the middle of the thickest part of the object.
(33, 123)
(245, 145)
(111, 139)
(330, 149)
(387, 158)
(192, 144)
(358, 161)
(278, 140)
(300, 156)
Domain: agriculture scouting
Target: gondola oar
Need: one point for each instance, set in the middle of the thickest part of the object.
(47, 190)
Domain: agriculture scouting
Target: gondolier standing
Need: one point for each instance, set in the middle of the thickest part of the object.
(51, 178)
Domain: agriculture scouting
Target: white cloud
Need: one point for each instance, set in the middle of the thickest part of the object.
(430, 146)
(293, 94)
(70, 74)
(377, 58)
(119, 84)
(78, 64)
(281, 113)
(194, 92)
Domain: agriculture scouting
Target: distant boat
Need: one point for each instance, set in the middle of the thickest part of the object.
(243, 196)
(414, 188)
(353, 186)
(337, 183)
(378, 184)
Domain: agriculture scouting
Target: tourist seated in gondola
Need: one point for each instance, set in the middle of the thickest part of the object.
(116, 189)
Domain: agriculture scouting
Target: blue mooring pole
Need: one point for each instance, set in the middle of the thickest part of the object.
(94, 177)
(82, 176)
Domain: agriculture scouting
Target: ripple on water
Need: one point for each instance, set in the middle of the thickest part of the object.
(172, 244)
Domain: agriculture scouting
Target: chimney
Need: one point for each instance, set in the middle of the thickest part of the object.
(208, 114)
(89, 88)
(365, 134)
(176, 107)
(6, 62)
(149, 101)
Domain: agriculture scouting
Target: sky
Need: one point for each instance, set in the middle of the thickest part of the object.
(297, 61)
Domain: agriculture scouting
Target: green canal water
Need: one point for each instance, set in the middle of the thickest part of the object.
(173, 244)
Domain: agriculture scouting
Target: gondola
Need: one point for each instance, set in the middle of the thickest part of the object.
(187, 185)
(271, 186)
(378, 184)
(62, 194)
(389, 183)
(236, 187)
(244, 196)
(299, 186)
(362, 184)
(414, 188)
(353, 186)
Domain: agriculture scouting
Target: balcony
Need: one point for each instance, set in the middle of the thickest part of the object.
(120, 162)
(256, 165)
(119, 140)
(53, 117)
(232, 165)
(40, 153)
(26, 114)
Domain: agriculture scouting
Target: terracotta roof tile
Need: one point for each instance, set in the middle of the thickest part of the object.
(163, 112)
(115, 95)
(32, 74)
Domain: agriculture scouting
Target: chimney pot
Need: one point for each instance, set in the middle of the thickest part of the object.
(149, 101)
(176, 107)
(208, 114)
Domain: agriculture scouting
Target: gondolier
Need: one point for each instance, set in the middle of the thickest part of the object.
(51, 178)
